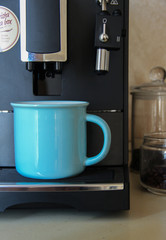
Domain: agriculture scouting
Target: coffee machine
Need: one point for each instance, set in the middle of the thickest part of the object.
(67, 50)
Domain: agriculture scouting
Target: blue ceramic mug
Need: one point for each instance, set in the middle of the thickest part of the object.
(50, 138)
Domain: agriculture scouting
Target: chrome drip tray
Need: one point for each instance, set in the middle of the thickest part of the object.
(92, 179)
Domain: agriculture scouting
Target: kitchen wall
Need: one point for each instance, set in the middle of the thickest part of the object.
(147, 41)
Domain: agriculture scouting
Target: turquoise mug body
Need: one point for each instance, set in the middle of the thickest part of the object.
(50, 138)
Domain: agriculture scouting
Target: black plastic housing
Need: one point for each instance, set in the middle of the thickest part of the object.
(43, 26)
(107, 95)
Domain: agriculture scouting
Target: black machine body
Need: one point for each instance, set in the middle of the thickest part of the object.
(67, 50)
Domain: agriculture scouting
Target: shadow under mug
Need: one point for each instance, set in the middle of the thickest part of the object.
(50, 138)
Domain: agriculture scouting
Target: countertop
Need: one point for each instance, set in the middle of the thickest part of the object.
(146, 219)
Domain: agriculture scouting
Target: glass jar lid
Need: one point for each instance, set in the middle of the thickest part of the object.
(157, 86)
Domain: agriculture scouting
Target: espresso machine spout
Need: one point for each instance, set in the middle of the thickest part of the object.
(44, 45)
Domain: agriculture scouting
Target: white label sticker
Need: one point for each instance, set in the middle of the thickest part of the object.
(9, 29)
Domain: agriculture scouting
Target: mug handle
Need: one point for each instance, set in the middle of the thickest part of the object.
(107, 139)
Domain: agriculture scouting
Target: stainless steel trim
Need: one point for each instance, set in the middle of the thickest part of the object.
(103, 3)
(105, 111)
(52, 57)
(6, 111)
(59, 187)
(102, 59)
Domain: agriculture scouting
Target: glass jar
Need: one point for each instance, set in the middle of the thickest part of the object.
(148, 111)
(153, 163)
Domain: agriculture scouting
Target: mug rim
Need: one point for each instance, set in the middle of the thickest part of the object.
(50, 104)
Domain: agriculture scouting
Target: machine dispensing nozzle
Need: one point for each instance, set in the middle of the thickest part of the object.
(102, 60)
